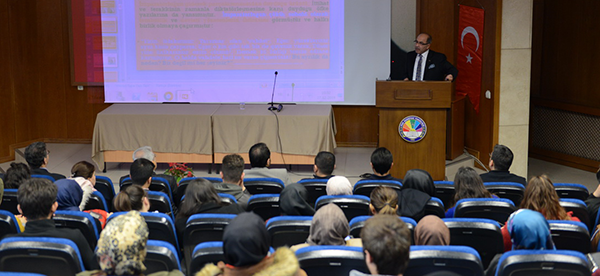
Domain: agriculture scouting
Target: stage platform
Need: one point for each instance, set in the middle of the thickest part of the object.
(205, 133)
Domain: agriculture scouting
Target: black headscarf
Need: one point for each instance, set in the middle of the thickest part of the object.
(419, 180)
(292, 201)
(245, 240)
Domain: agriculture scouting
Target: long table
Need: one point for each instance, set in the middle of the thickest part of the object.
(204, 133)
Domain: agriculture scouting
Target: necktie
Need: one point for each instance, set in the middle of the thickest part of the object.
(418, 78)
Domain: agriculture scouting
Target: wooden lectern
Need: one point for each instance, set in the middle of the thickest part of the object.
(429, 101)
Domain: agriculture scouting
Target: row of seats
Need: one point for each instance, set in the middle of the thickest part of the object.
(55, 256)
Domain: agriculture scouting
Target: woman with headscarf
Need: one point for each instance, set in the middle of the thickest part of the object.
(292, 201)
(417, 190)
(69, 195)
(528, 229)
(431, 230)
(122, 248)
(338, 185)
(329, 226)
(246, 245)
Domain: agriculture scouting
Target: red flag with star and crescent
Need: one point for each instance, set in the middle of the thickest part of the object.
(470, 53)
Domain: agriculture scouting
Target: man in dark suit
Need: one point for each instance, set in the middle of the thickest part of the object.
(500, 161)
(423, 64)
(37, 157)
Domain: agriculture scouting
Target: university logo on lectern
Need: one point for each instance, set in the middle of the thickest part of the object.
(412, 129)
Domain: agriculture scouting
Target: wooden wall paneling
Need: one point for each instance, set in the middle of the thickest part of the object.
(7, 116)
(52, 63)
(437, 19)
(24, 68)
(357, 126)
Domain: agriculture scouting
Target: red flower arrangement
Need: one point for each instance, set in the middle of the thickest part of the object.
(179, 171)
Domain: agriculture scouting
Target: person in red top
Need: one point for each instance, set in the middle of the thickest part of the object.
(541, 196)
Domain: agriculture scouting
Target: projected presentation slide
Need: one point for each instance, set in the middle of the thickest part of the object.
(215, 51)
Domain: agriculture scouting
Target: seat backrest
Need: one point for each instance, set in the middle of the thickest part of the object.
(498, 209)
(331, 259)
(203, 228)
(264, 205)
(571, 190)
(160, 227)
(579, 209)
(8, 224)
(444, 190)
(357, 223)
(105, 186)
(161, 256)
(43, 176)
(570, 235)
(510, 190)
(160, 202)
(47, 256)
(366, 186)
(288, 230)
(96, 201)
(205, 253)
(315, 188)
(483, 235)
(462, 260)
(435, 207)
(263, 185)
(9, 201)
(227, 198)
(352, 205)
(543, 262)
(79, 220)
(158, 184)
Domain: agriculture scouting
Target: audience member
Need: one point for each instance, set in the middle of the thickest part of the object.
(338, 185)
(417, 190)
(292, 201)
(85, 174)
(593, 201)
(132, 198)
(15, 175)
(141, 171)
(431, 230)
(528, 229)
(381, 163)
(384, 200)
(540, 196)
(232, 173)
(324, 165)
(246, 251)
(201, 197)
(500, 161)
(37, 157)
(122, 248)
(260, 160)
(386, 243)
(36, 199)
(329, 226)
(467, 184)
(147, 153)
(70, 195)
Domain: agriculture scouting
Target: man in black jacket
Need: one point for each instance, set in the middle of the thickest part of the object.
(424, 64)
(500, 161)
(37, 157)
(37, 203)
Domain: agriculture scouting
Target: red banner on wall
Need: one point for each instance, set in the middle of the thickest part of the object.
(470, 53)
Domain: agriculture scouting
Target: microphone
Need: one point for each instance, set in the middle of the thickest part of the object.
(279, 107)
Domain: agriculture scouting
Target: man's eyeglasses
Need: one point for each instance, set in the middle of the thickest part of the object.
(422, 43)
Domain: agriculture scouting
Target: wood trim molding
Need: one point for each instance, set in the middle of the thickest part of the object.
(564, 159)
(539, 101)
(12, 148)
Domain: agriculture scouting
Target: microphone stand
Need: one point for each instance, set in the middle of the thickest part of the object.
(279, 106)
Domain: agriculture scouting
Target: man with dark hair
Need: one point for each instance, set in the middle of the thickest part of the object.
(232, 173)
(324, 165)
(500, 160)
(381, 163)
(260, 160)
(37, 203)
(37, 157)
(386, 242)
(424, 64)
(147, 153)
(141, 171)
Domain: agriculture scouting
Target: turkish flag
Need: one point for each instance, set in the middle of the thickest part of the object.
(470, 53)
